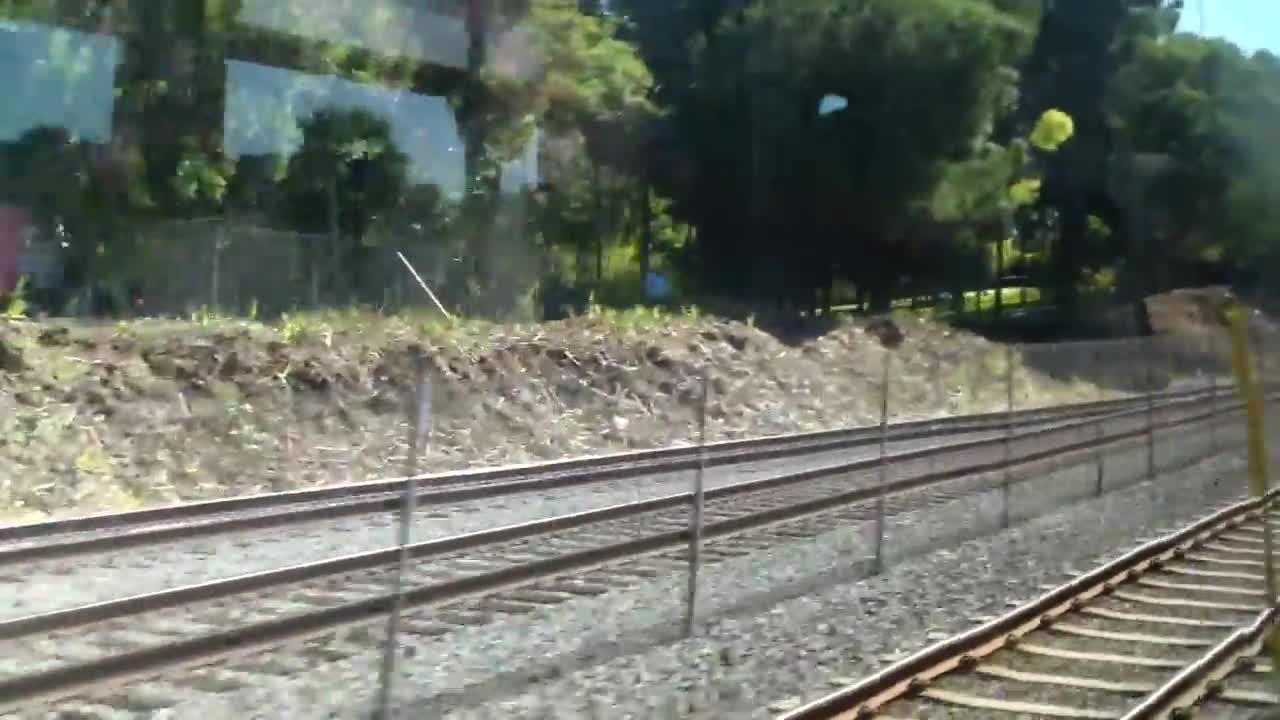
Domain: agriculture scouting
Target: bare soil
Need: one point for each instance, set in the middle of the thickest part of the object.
(99, 417)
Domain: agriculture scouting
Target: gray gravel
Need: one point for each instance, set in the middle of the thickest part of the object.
(783, 625)
(56, 584)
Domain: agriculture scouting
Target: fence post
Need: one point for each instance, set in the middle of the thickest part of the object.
(882, 478)
(1007, 474)
(419, 434)
(1151, 408)
(695, 519)
(940, 385)
(215, 271)
(1260, 342)
(1213, 394)
(1100, 457)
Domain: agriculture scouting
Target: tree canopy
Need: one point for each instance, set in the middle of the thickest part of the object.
(790, 152)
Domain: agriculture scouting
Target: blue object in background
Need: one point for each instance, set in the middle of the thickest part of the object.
(657, 286)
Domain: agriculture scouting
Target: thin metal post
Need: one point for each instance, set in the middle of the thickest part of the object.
(1260, 343)
(1213, 395)
(940, 386)
(944, 398)
(215, 274)
(1100, 457)
(695, 520)
(419, 435)
(1151, 409)
(883, 470)
(1007, 475)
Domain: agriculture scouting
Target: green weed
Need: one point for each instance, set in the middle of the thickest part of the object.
(16, 307)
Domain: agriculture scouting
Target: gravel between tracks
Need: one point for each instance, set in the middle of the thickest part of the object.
(614, 657)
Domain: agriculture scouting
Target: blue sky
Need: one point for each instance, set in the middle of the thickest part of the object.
(1251, 24)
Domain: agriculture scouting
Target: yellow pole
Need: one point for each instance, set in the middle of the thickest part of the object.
(1251, 391)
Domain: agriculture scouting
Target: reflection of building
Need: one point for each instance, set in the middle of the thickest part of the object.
(429, 31)
(154, 88)
(243, 90)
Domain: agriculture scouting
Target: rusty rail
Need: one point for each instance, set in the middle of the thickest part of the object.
(914, 673)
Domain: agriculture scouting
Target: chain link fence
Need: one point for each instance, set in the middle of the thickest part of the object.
(237, 267)
(1181, 410)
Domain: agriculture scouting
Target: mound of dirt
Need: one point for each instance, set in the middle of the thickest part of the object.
(96, 417)
(10, 358)
(1189, 314)
(1188, 311)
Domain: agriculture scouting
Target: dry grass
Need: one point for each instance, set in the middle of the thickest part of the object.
(110, 416)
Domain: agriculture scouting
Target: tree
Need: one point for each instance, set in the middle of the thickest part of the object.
(46, 171)
(783, 198)
(566, 74)
(1210, 111)
(985, 191)
(347, 171)
(1079, 46)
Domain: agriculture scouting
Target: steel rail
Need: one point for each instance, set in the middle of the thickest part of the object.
(260, 635)
(1201, 679)
(47, 622)
(188, 521)
(133, 537)
(488, 482)
(865, 698)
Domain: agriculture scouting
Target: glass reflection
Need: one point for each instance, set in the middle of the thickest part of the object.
(262, 153)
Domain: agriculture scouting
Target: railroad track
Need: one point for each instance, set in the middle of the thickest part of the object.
(1172, 627)
(116, 531)
(482, 577)
(60, 572)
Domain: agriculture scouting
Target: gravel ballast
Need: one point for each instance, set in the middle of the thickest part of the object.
(756, 651)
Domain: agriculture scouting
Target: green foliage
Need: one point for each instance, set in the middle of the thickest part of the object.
(1052, 130)
(292, 328)
(347, 165)
(574, 75)
(846, 185)
(16, 306)
(201, 179)
(1078, 48)
(1209, 111)
(1099, 227)
(987, 191)
(1025, 192)
(683, 136)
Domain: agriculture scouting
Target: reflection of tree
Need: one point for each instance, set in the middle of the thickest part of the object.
(44, 171)
(60, 180)
(346, 173)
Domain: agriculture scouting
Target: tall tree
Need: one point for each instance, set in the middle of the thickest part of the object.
(346, 173)
(1078, 48)
(784, 197)
(1210, 111)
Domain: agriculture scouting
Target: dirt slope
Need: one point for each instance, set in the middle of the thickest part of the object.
(97, 417)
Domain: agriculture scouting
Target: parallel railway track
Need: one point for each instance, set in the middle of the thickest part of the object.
(115, 531)
(473, 579)
(1172, 627)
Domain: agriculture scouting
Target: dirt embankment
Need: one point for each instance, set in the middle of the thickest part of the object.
(96, 417)
(1186, 312)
